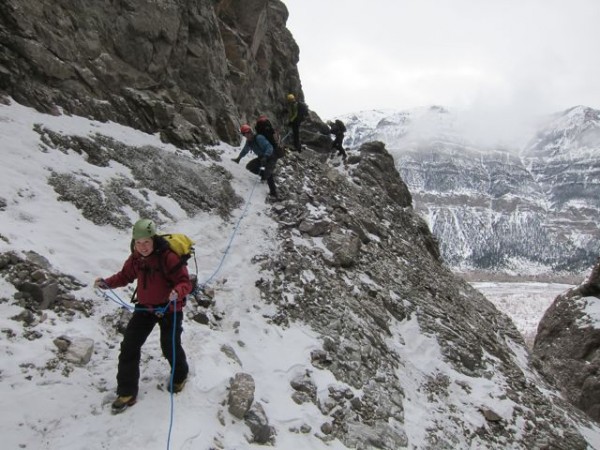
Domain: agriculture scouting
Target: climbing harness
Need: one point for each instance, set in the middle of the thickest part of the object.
(110, 294)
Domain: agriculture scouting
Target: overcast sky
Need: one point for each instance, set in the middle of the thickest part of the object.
(530, 56)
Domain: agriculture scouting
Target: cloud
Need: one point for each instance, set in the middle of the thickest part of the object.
(522, 57)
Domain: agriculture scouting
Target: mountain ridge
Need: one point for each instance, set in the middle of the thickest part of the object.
(539, 201)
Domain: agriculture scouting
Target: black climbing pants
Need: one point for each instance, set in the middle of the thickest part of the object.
(138, 329)
(254, 167)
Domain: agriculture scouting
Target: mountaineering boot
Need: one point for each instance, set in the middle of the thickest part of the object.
(177, 387)
(122, 403)
(273, 197)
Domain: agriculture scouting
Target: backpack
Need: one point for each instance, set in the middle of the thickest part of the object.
(341, 128)
(302, 110)
(181, 244)
(265, 127)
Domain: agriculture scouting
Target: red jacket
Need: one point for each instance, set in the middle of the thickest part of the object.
(157, 275)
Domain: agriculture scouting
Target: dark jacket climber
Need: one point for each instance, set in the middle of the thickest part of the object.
(338, 129)
(297, 112)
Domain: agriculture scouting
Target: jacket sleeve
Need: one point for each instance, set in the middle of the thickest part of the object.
(293, 112)
(265, 145)
(178, 275)
(245, 150)
(125, 276)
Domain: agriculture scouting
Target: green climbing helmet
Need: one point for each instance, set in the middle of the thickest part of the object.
(144, 228)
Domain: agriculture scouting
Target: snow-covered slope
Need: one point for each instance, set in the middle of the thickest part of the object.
(53, 404)
(453, 380)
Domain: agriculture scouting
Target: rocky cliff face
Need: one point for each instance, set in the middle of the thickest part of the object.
(567, 344)
(529, 212)
(192, 70)
(563, 161)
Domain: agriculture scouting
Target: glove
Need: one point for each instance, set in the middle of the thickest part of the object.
(173, 295)
(99, 283)
(236, 160)
(261, 171)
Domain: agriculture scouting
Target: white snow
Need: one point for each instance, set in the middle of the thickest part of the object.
(524, 303)
(591, 307)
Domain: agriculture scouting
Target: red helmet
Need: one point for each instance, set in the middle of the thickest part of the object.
(245, 129)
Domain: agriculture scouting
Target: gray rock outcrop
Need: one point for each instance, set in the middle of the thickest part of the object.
(394, 277)
(191, 70)
(241, 394)
(567, 344)
(77, 350)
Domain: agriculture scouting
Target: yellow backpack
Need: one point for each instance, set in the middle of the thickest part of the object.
(181, 244)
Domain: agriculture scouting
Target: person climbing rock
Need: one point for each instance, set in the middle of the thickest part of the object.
(297, 112)
(265, 162)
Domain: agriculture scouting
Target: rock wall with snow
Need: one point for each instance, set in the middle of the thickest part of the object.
(190, 70)
(566, 345)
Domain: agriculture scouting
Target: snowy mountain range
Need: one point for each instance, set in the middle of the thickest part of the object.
(523, 207)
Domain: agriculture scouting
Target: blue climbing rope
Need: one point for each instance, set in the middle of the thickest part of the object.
(287, 135)
(173, 358)
(110, 294)
(235, 230)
